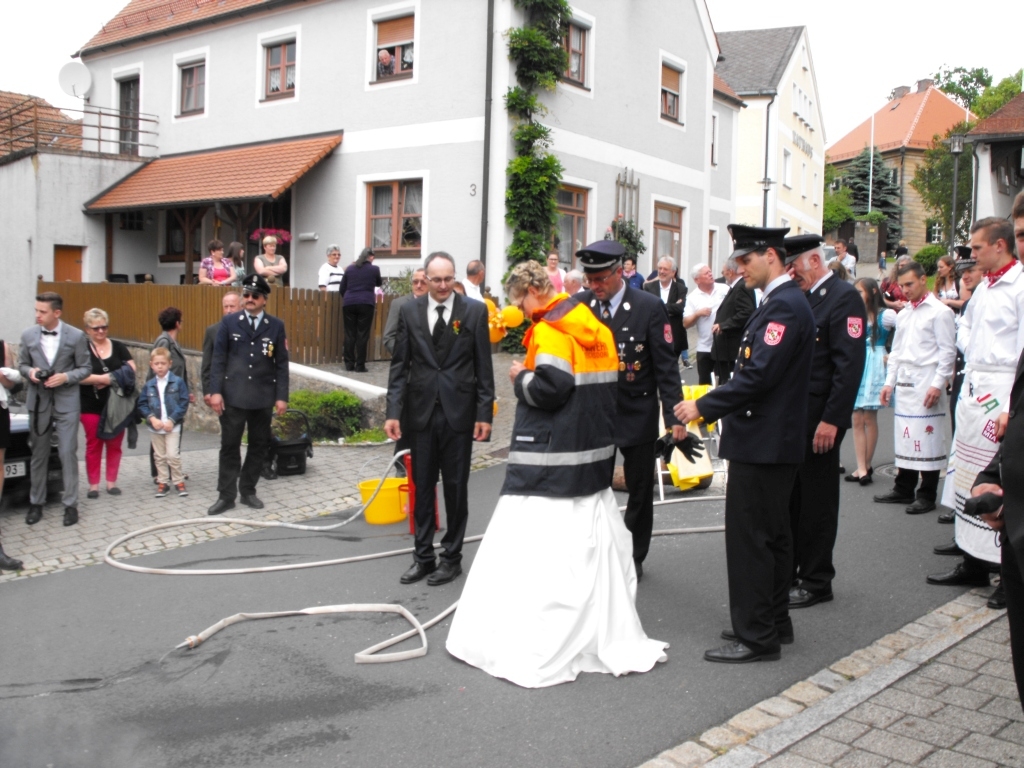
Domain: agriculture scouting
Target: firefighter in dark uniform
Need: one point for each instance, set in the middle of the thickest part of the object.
(839, 349)
(764, 406)
(647, 368)
(248, 382)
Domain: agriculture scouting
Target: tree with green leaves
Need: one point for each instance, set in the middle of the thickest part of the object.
(836, 206)
(997, 95)
(933, 180)
(878, 188)
(963, 85)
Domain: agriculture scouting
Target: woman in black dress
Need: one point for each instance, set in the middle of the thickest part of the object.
(358, 289)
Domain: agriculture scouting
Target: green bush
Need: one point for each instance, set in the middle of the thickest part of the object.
(928, 257)
(513, 341)
(331, 414)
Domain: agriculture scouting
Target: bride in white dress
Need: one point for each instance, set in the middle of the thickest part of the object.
(552, 590)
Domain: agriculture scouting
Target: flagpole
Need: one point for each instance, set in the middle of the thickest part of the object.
(871, 168)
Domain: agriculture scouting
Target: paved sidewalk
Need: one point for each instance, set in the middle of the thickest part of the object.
(939, 693)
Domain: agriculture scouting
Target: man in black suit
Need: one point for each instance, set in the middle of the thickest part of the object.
(229, 304)
(839, 352)
(732, 314)
(248, 382)
(441, 387)
(1005, 476)
(672, 292)
(648, 366)
(765, 409)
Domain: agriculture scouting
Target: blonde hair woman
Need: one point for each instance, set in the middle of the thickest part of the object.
(268, 264)
(106, 356)
(577, 613)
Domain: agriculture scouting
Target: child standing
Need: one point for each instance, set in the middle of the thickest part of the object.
(163, 404)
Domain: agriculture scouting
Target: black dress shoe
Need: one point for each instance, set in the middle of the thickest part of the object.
(842, 470)
(115, 491)
(948, 549)
(738, 653)
(220, 506)
(417, 572)
(961, 576)
(361, 369)
(892, 497)
(92, 495)
(946, 518)
(866, 480)
(252, 501)
(920, 506)
(786, 638)
(804, 598)
(70, 515)
(10, 564)
(35, 514)
(445, 572)
(996, 601)
(639, 569)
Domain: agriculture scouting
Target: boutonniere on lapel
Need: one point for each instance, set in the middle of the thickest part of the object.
(456, 326)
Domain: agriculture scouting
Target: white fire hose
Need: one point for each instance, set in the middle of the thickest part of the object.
(370, 655)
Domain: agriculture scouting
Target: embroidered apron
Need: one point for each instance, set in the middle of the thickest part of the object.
(921, 438)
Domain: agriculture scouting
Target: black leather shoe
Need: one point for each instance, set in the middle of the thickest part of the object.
(417, 572)
(445, 572)
(866, 480)
(639, 569)
(946, 518)
(220, 506)
(252, 501)
(70, 515)
(360, 369)
(920, 506)
(842, 470)
(961, 576)
(892, 497)
(738, 653)
(996, 601)
(948, 549)
(35, 514)
(92, 495)
(784, 638)
(10, 564)
(804, 598)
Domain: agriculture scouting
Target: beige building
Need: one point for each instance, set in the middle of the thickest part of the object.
(781, 132)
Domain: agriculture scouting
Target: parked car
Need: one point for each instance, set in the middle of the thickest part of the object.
(18, 461)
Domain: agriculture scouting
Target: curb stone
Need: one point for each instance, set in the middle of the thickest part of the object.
(762, 732)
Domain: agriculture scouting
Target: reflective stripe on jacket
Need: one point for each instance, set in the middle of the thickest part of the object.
(562, 440)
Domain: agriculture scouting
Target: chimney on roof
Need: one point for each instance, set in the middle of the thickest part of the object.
(900, 91)
(924, 84)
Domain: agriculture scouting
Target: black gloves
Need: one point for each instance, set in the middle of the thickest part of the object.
(692, 447)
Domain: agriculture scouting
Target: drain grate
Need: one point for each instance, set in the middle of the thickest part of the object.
(886, 470)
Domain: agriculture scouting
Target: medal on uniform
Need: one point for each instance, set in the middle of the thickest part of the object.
(636, 366)
(630, 376)
(622, 366)
(746, 353)
(639, 348)
(270, 349)
(626, 306)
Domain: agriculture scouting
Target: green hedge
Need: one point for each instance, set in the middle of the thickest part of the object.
(928, 257)
(331, 414)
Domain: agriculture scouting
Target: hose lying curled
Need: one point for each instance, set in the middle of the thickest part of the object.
(370, 655)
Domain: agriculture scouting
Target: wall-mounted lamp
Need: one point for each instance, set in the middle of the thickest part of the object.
(308, 237)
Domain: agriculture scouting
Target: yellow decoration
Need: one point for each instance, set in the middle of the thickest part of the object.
(695, 392)
(499, 322)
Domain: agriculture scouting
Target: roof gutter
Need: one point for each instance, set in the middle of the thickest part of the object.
(485, 193)
(767, 138)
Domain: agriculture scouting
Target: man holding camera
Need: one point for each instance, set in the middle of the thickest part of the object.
(54, 358)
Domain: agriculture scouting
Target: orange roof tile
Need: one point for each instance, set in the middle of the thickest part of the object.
(1008, 119)
(28, 122)
(258, 172)
(725, 89)
(910, 121)
(146, 17)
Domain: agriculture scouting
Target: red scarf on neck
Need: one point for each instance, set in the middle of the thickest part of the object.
(993, 277)
(919, 302)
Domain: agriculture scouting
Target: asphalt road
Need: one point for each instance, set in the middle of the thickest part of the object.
(86, 678)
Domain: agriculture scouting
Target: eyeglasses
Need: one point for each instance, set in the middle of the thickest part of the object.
(419, 281)
(250, 295)
(599, 279)
(97, 327)
(442, 280)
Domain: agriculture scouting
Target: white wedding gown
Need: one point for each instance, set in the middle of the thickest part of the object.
(552, 593)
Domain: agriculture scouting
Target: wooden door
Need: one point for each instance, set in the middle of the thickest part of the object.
(67, 263)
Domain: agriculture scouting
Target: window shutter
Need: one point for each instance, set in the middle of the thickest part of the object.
(395, 31)
(669, 79)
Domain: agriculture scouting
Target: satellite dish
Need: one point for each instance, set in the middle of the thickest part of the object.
(75, 79)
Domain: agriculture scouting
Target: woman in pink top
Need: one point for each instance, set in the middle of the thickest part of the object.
(216, 269)
(555, 273)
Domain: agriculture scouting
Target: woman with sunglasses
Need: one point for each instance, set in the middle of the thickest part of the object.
(106, 356)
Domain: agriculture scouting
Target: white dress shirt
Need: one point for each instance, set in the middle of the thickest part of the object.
(925, 338)
(665, 291)
(991, 331)
(697, 300)
(432, 306)
(51, 344)
(473, 291)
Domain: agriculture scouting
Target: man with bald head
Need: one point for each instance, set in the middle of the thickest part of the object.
(701, 305)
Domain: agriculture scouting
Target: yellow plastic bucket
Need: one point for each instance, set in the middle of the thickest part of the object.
(391, 504)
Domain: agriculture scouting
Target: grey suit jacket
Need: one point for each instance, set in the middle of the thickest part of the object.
(72, 358)
(391, 326)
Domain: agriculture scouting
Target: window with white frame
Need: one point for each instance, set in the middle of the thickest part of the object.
(394, 48)
(787, 168)
(192, 79)
(671, 93)
(280, 69)
(394, 217)
(575, 44)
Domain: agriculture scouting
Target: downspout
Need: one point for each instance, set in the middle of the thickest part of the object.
(903, 181)
(488, 75)
(767, 137)
(974, 195)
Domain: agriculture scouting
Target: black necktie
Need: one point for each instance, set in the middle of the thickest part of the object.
(49, 333)
(606, 310)
(438, 327)
(252, 323)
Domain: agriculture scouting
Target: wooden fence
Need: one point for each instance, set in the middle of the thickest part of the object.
(313, 320)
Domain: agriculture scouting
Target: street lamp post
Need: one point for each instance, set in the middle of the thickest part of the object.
(766, 184)
(956, 148)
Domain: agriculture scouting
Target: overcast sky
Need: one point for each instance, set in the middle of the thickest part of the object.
(861, 50)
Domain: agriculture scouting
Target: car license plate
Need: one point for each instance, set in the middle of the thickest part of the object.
(16, 469)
